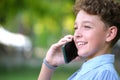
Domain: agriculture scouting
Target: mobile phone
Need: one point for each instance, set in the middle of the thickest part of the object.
(69, 51)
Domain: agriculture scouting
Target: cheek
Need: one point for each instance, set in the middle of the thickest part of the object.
(96, 38)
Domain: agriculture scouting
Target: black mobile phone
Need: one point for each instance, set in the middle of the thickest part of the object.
(69, 51)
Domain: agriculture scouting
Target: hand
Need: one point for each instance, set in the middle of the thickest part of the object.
(54, 55)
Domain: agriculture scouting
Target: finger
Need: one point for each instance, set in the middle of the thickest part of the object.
(64, 40)
(67, 38)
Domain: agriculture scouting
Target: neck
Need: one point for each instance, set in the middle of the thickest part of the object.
(105, 50)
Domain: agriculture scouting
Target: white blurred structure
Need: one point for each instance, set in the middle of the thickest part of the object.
(15, 40)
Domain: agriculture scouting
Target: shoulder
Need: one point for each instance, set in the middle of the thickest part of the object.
(107, 75)
(106, 72)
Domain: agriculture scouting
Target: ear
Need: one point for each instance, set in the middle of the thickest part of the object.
(111, 33)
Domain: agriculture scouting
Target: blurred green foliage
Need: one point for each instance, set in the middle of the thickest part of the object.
(27, 73)
(44, 21)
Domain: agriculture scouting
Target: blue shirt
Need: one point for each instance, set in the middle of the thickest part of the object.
(98, 68)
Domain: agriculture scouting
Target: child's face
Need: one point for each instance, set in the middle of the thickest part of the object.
(90, 35)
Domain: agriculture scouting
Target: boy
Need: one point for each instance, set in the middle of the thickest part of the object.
(97, 29)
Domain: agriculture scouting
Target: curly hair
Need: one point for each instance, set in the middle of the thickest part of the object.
(107, 10)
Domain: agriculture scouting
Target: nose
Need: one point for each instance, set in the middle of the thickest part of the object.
(77, 34)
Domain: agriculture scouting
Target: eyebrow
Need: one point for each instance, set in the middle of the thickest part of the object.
(84, 22)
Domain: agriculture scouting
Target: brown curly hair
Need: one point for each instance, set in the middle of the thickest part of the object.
(107, 10)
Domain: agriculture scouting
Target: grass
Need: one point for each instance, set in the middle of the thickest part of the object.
(29, 73)
(19, 74)
(63, 73)
(24, 73)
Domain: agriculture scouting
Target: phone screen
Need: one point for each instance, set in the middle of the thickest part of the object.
(69, 51)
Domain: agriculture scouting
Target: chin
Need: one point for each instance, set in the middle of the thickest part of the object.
(84, 55)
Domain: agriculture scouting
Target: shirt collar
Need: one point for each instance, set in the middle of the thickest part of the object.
(96, 62)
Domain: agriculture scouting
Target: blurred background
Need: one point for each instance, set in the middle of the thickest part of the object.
(27, 29)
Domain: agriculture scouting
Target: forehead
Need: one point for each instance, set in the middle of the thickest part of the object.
(82, 16)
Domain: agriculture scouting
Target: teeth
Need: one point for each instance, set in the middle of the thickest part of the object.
(81, 43)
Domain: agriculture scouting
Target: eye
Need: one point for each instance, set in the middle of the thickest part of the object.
(88, 27)
(75, 28)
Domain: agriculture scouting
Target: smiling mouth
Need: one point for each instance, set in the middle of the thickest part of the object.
(81, 43)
